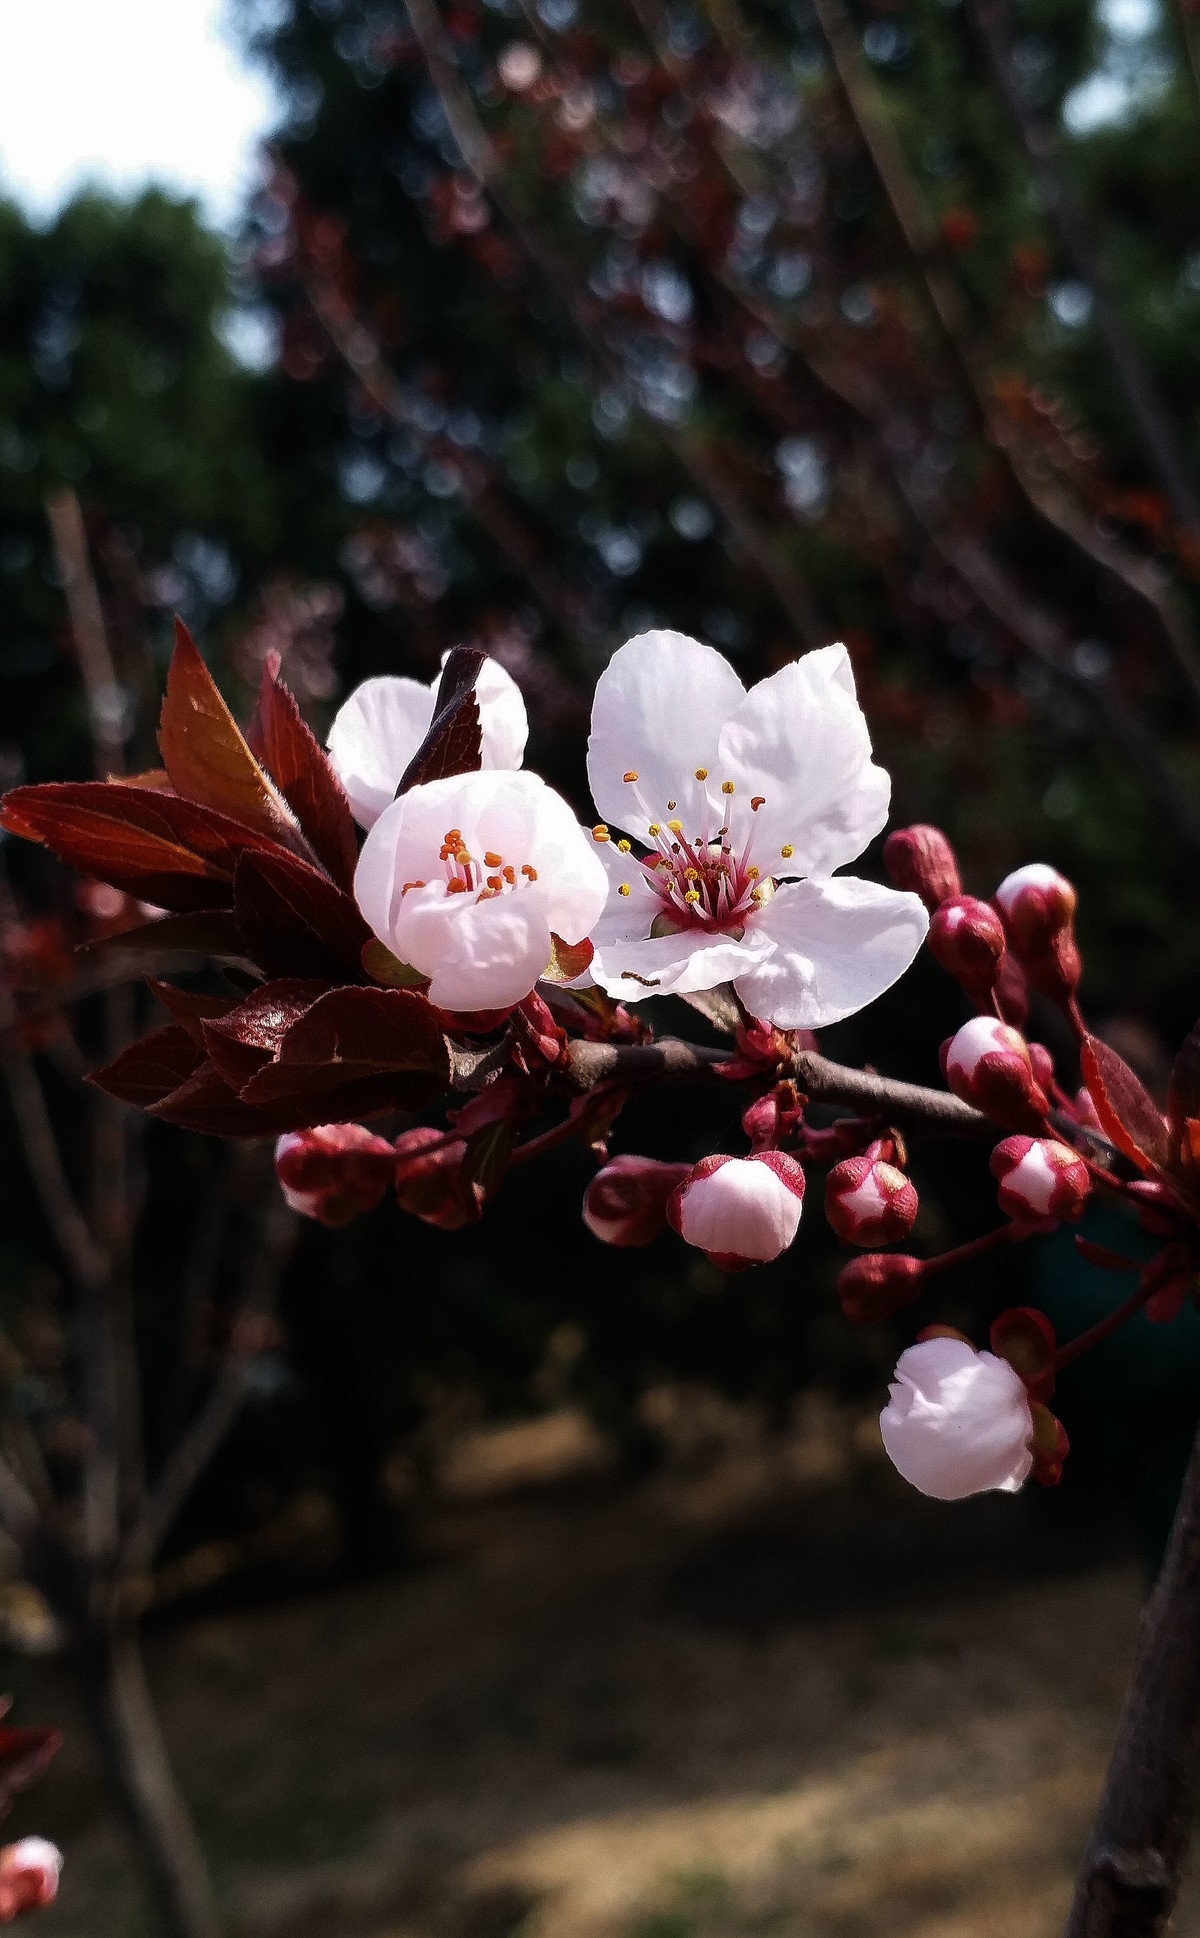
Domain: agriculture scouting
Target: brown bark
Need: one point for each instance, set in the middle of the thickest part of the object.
(121, 1709)
(1131, 1871)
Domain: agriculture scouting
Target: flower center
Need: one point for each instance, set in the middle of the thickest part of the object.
(468, 874)
(702, 880)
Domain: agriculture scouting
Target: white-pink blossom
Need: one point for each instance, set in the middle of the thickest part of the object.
(740, 1210)
(1040, 1178)
(869, 1202)
(29, 1874)
(738, 806)
(467, 879)
(380, 726)
(1036, 881)
(958, 1421)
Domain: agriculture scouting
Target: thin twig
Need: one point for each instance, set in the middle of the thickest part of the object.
(1148, 414)
(693, 452)
(935, 1111)
(200, 1441)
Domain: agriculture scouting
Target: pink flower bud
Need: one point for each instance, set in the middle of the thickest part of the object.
(958, 1421)
(740, 1210)
(967, 938)
(626, 1202)
(29, 1874)
(869, 1202)
(1038, 906)
(1040, 1178)
(432, 1183)
(874, 1287)
(333, 1171)
(921, 859)
(988, 1064)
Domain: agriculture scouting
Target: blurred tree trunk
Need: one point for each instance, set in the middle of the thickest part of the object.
(121, 1710)
(1133, 1866)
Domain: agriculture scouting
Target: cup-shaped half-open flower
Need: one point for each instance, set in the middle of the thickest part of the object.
(736, 807)
(958, 1421)
(467, 879)
(379, 728)
(740, 1210)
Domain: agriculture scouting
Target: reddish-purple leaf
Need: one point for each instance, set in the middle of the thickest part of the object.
(454, 743)
(151, 1068)
(567, 960)
(152, 844)
(212, 933)
(204, 752)
(300, 768)
(370, 1049)
(1183, 1091)
(1128, 1113)
(206, 1103)
(190, 1007)
(249, 1035)
(295, 921)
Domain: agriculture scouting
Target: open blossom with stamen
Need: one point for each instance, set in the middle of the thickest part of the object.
(379, 728)
(737, 808)
(467, 879)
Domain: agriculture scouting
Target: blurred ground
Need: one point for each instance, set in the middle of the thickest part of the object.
(763, 1692)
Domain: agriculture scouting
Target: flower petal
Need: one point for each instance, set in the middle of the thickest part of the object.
(799, 742)
(478, 955)
(694, 959)
(374, 735)
(659, 708)
(479, 950)
(838, 945)
(502, 716)
(624, 916)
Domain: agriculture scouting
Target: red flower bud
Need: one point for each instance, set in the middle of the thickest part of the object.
(739, 1211)
(432, 1183)
(333, 1172)
(1040, 1178)
(775, 1117)
(873, 1287)
(967, 938)
(921, 859)
(1038, 906)
(869, 1202)
(988, 1064)
(626, 1202)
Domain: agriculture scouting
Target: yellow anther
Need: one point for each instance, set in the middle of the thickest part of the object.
(787, 851)
(752, 874)
(655, 830)
(727, 787)
(624, 846)
(600, 832)
(676, 827)
(701, 773)
(631, 775)
(691, 874)
(692, 895)
(624, 889)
